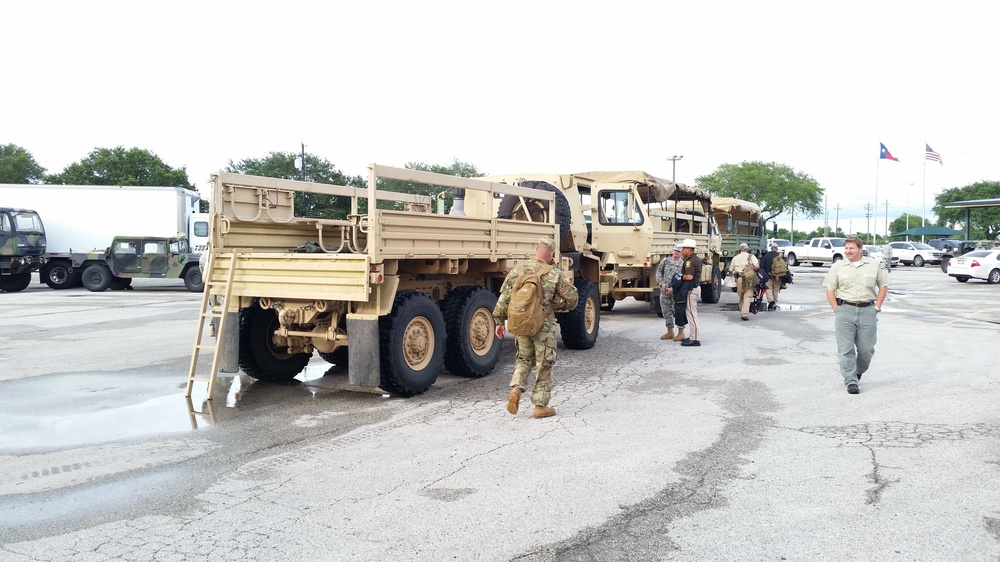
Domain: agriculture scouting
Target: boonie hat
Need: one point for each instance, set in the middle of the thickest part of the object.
(688, 243)
(548, 243)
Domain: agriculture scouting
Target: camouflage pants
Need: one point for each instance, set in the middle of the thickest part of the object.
(535, 351)
(667, 306)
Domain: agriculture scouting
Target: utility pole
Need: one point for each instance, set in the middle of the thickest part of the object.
(673, 159)
(300, 162)
(836, 224)
(791, 231)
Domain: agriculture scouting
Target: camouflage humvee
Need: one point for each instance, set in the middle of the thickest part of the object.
(22, 247)
(131, 257)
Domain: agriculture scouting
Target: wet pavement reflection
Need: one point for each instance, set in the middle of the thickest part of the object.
(94, 408)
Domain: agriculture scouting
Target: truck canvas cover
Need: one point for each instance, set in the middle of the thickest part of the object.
(734, 206)
(651, 188)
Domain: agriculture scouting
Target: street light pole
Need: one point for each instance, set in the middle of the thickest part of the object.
(674, 160)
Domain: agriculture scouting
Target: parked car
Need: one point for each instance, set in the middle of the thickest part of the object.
(979, 264)
(781, 242)
(946, 245)
(916, 253)
(874, 251)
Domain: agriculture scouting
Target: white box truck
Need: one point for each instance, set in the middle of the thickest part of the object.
(86, 218)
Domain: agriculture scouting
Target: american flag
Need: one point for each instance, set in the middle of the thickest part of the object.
(931, 155)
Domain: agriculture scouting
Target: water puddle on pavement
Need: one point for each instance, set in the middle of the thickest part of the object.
(163, 414)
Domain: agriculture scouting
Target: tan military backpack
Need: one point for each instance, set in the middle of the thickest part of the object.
(526, 311)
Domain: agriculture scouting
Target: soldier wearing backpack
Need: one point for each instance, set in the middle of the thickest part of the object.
(528, 298)
(744, 267)
(776, 267)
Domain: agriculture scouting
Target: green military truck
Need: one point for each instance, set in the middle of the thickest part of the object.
(131, 257)
(739, 222)
(22, 247)
(397, 291)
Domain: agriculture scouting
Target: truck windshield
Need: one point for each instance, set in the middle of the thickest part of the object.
(28, 222)
(613, 208)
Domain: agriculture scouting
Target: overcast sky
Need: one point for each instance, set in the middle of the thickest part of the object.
(514, 86)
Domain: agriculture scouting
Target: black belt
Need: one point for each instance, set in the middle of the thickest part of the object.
(857, 304)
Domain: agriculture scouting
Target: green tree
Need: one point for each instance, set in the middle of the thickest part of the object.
(984, 222)
(904, 222)
(17, 165)
(121, 166)
(775, 187)
(456, 168)
(317, 170)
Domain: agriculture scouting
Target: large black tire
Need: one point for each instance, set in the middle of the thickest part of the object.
(472, 348)
(510, 208)
(791, 259)
(338, 357)
(193, 280)
(97, 278)
(580, 326)
(711, 292)
(259, 357)
(59, 275)
(15, 283)
(918, 261)
(654, 302)
(411, 344)
(120, 283)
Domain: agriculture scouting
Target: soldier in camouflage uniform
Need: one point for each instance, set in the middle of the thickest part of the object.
(665, 272)
(558, 293)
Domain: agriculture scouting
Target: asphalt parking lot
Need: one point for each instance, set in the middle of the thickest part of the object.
(747, 448)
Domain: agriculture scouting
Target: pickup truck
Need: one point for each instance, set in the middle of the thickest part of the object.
(817, 252)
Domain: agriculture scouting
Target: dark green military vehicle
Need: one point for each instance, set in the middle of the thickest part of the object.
(22, 247)
(131, 257)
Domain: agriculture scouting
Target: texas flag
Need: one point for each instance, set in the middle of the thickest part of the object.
(886, 155)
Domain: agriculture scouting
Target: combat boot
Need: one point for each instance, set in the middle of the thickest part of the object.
(680, 334)
(513, 399)
(544, 411)
(669, 335)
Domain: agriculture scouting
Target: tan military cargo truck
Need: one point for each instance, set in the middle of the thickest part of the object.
(740, 222)
(617, 226)
(406, 291)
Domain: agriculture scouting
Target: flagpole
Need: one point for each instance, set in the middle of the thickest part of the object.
(923, 197)
(877, 168)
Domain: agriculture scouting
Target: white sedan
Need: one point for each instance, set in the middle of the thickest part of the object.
(980, 264)
(874, 251)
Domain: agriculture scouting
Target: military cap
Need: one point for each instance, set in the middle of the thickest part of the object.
(744, 246)
(548, 243)
(677, 247)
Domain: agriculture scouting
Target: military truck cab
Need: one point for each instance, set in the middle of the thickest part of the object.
(616, 227)
(131, 257)
(22, 247)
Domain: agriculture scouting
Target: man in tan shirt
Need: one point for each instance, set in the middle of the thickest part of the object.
(745, 287)
(856, 288)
